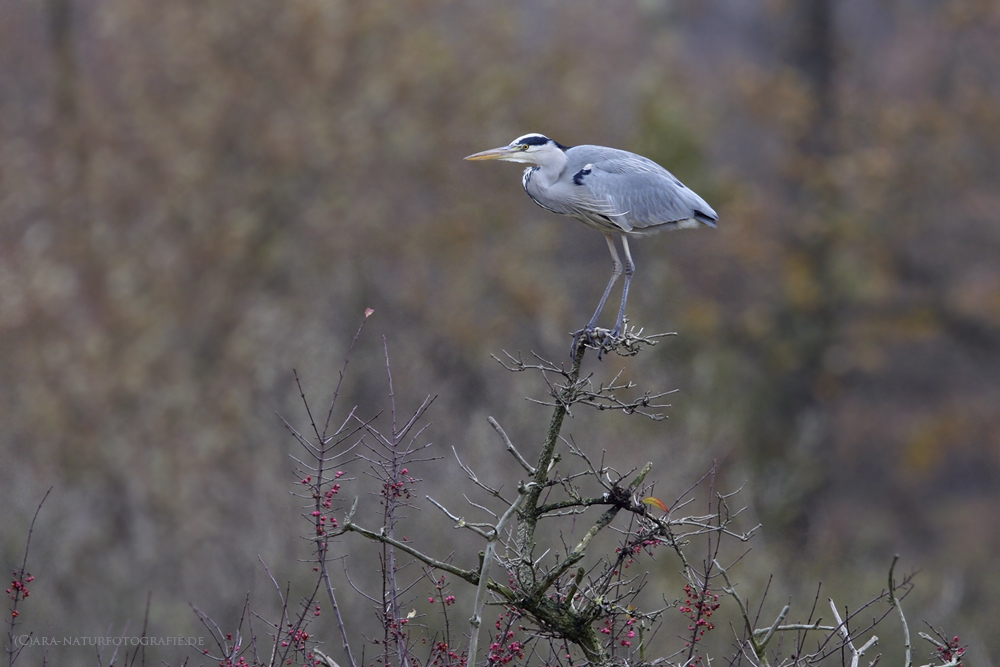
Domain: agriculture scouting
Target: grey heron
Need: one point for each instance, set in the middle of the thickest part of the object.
(618, 193)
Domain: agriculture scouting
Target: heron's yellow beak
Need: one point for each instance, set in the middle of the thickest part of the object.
(493, 154)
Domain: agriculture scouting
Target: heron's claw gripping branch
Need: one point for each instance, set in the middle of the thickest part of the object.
(624, 344)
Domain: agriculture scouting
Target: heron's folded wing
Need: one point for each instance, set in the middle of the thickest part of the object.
(648, 196)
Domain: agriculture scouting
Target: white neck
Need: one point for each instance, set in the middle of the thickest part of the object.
(551, 161)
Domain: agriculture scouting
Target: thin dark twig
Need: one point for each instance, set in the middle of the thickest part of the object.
(145, 626)
(21, 579)
(343, 372)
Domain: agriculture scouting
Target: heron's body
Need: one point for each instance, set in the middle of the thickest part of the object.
(612, 190)
(616, 192)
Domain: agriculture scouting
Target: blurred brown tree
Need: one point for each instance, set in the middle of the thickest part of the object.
(196, 197)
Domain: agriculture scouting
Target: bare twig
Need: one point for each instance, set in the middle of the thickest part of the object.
(19, 591)
(510, 446)
(856, 653)
(893, 602)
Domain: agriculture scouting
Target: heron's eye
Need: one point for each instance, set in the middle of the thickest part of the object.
(522, 147)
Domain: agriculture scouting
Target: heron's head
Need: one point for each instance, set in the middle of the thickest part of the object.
(531, 148)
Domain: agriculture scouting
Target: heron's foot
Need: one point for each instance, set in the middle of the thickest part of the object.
(624, 342)
(602, 340)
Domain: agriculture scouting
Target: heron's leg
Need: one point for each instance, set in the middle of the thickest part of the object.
(629, 270)
(616, 272)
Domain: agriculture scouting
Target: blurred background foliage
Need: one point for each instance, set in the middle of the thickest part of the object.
(197, 197)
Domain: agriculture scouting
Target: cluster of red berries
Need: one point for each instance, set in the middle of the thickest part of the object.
(445, 655)
(326, 501)
(296, 639)
(323, 520)
(699, 607)
(951, 651)
(501, 654)
(308, 478)
(641, 544)
(629, 635)
(330, 493)
(512, 615)
(398, 489)
(439, 585)
(396, 628)
(18, 590)
(448, 600)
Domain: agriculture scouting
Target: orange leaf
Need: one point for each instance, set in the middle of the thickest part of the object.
(656, 502)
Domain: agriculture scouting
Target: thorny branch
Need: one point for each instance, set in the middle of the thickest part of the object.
(835, 639)
(562, 599)
(541, 534)
(18, 590)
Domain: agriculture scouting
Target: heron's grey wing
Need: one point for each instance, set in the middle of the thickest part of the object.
(642, 195)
